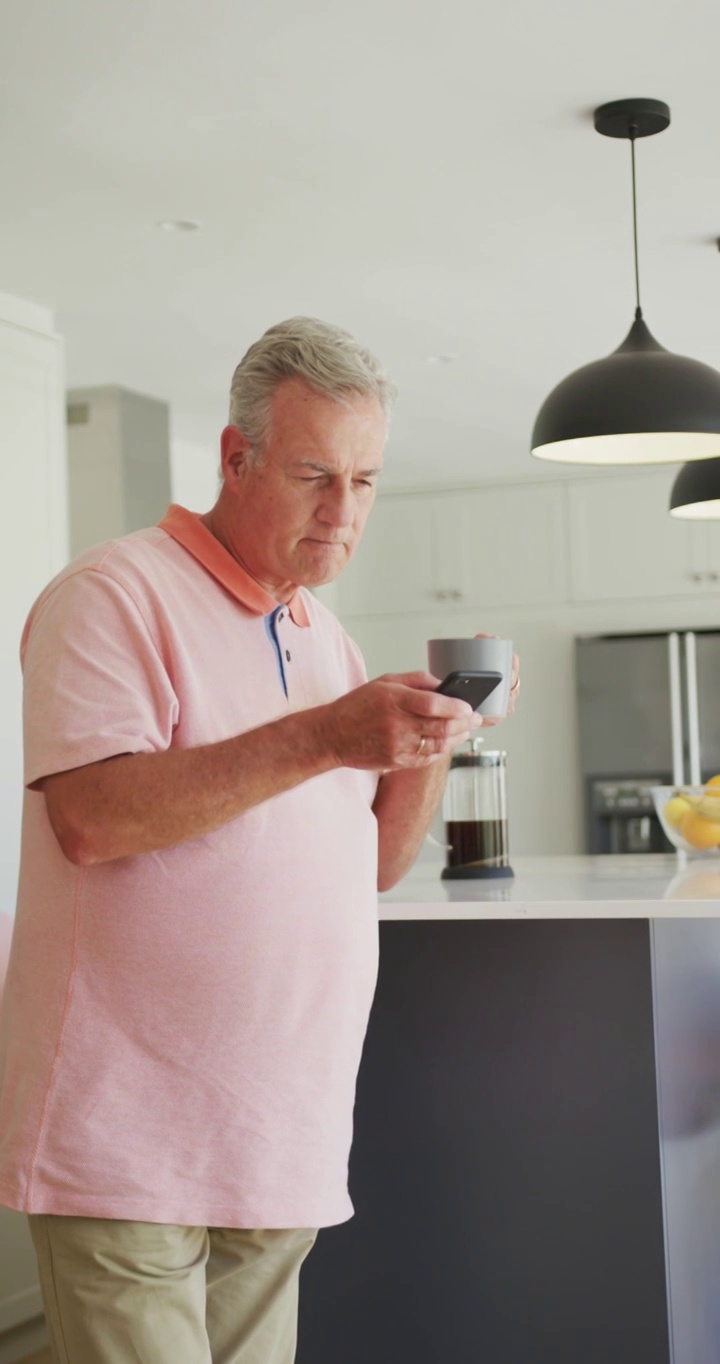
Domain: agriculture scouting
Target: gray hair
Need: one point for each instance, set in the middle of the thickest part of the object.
(325, 357)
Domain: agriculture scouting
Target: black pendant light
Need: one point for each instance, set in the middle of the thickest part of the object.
(696, 491)
(642, 404)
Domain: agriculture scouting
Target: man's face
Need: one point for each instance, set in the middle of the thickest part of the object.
(298, 518)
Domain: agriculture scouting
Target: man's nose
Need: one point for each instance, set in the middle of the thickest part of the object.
(337, 507)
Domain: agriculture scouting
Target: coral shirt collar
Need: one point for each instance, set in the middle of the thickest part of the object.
(189, 531)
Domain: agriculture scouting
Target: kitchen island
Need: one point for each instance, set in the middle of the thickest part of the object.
(536, 1166)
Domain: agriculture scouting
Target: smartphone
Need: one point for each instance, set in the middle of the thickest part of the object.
(471, 687)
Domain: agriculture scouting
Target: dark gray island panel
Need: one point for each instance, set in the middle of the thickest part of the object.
(506, 1170)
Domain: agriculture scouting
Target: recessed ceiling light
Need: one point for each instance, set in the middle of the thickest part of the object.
(179, 225)
(439, 359)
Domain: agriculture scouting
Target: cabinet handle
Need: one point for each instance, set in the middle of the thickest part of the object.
(714, 577)
(449, 594)
(696, 577)
(456, 594)
(441, 596)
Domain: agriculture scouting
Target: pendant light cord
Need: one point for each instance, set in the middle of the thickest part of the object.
(638, 309)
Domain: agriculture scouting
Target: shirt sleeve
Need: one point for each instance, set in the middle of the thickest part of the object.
(355, 668)
(95, 684)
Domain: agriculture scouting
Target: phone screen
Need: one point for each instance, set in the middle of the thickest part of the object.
(469, 686)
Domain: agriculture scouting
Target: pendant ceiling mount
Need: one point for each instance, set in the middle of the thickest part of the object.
(642, 404)
(632, 118)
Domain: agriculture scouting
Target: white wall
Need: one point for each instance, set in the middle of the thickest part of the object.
(194, 474)
(639, 578)
(118, 463)
(33, 544)
(619, 564)
(33, 547)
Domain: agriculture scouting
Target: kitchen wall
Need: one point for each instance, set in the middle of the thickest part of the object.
(33, 546)
(194, 474)
(539, 560)
(542, 560)
(118, 447)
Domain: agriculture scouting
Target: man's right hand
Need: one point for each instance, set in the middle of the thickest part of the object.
(397, 721)
(142, 802)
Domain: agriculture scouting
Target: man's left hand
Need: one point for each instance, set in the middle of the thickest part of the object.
(490, 720)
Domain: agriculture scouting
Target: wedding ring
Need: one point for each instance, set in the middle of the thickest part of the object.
(420, 747)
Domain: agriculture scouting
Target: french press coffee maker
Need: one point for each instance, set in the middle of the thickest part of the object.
(475, 814)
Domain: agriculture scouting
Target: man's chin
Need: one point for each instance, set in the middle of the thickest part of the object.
(319, 568)
(317, 578)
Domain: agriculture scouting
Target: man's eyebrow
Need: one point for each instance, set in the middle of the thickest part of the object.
(325, 468)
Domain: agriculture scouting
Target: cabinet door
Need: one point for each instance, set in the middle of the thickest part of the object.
(396, 567)
(513, 542)
(624, 543)
(491, 547)
(706, 555)
(711, 534)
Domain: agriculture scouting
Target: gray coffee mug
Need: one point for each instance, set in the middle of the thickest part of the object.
(476, 655)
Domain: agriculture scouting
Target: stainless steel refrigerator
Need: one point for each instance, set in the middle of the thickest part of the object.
(649, 710)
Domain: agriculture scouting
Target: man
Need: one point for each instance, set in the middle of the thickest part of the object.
(204, 834)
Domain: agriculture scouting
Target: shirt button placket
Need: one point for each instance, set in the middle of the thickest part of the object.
(286, 656)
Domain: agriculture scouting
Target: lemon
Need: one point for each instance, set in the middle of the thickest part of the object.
(675, 811)
(713, 782)
(700, 832)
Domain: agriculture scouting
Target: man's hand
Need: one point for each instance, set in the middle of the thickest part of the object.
(406, 800)
(397, 721)
(491, 720)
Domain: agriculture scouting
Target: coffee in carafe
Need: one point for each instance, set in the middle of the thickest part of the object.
(475, 811)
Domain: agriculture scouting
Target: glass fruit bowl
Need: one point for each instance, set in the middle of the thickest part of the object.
(690, 816)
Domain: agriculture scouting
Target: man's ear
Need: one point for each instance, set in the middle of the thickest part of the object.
(234, 448)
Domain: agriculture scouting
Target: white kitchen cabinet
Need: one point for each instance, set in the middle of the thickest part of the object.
(624, 544)
(497, 546)
(410, 557)
(706, 555)
(513, 545)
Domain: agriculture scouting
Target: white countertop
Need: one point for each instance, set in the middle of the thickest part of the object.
(635, 886)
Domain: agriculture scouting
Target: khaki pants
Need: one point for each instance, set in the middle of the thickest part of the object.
(149, 1293)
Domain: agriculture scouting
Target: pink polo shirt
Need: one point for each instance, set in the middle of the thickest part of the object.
(182, 1030)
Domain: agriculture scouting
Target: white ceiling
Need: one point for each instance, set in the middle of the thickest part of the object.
(426, 175)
